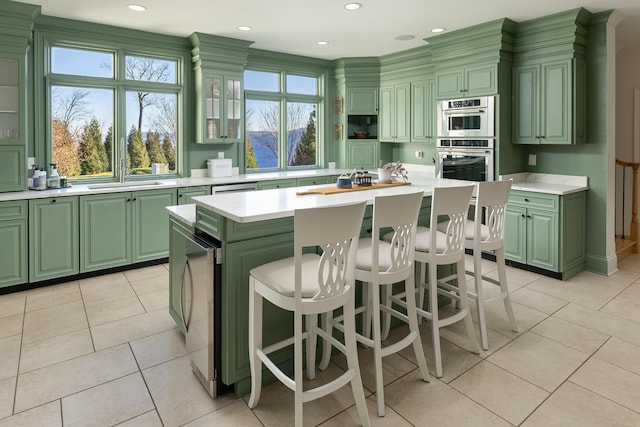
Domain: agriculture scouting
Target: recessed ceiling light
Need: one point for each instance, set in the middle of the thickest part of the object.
(323, 43)
(137, 7)
(405, 37)
(352, 6)
(244, 28)
(437, 30)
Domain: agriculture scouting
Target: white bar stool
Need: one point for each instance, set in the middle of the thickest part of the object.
(310, 283)
(445, 248)
(486, 233)
(381, 263)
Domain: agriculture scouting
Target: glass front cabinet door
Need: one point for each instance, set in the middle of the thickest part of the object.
(222, 108)
(9, 100)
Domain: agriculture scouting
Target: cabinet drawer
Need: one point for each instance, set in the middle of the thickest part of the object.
(313, 180)
(13, 210)
(534, 200)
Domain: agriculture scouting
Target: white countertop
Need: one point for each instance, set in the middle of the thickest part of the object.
(183, 213)
(547, 183)
(279, 203)
(84, 189)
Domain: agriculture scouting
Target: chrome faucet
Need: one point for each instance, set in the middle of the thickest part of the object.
(123, 163)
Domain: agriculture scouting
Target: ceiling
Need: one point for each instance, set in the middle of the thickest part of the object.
(295, 26)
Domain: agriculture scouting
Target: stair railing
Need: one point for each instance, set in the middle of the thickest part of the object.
(633, 227)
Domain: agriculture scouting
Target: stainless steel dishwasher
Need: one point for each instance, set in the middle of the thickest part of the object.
(201, 289)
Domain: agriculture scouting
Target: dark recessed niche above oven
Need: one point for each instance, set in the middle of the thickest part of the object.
(362, 126)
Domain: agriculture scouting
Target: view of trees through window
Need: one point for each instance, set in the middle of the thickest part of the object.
(267, 146)
(84, 144)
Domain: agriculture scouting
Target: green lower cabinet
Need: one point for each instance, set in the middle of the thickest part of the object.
(13, 235)
(277, 183)
(313, 180)
(53, 238)
(185, 194)
(239, 259)
(122, 228)
(150, 219)
(105, 231)
(546, 231)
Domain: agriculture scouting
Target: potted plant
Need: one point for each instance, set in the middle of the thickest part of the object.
(389, 170)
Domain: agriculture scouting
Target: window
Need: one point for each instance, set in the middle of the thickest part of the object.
(107, 106)
(281, 120)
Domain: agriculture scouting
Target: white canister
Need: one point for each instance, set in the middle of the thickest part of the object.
(219, 167)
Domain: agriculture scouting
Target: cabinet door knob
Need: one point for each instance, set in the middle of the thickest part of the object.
(529, 216)
(53, 200)
(134, 199)
(128, 200)
(526, 200)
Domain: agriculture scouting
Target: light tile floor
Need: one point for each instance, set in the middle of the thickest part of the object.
(104, 351)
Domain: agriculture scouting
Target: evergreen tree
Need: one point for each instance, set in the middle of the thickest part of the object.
(65, 153)
(136, 151)
(93, 156)
(169, 152)
(306, 149)
(108, 148)
(156, 154)
(252, 162)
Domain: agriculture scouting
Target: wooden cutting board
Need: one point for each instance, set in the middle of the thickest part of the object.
(336, 190)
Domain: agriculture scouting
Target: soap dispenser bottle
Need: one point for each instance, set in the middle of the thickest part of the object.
(54, 178)
(42, 181)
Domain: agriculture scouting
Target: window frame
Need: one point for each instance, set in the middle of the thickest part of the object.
(283, 98)
(129, 43)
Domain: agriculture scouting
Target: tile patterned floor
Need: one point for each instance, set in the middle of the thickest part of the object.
(104, 351)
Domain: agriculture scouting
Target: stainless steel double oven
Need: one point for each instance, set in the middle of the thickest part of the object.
(466, 138)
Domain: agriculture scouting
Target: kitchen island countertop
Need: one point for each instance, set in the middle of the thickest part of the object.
(263, 205)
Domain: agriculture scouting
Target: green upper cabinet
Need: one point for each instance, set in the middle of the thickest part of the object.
(218, 63)
(12, 97)
(395, 113)
(53, 238)
(15, 39)
(362, 100)
(13, 167)
(549, 102)
(423, 111)
(362, 154)
(468, 81)
(222, 109)
(549, 79)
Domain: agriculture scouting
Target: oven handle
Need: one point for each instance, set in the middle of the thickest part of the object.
(463, 112)
(483, 152)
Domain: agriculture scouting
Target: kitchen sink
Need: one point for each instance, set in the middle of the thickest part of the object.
(122, 185)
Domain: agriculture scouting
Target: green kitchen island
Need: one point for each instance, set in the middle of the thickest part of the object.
(255, 228)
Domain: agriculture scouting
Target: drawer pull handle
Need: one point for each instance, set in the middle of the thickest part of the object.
(526, 200)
